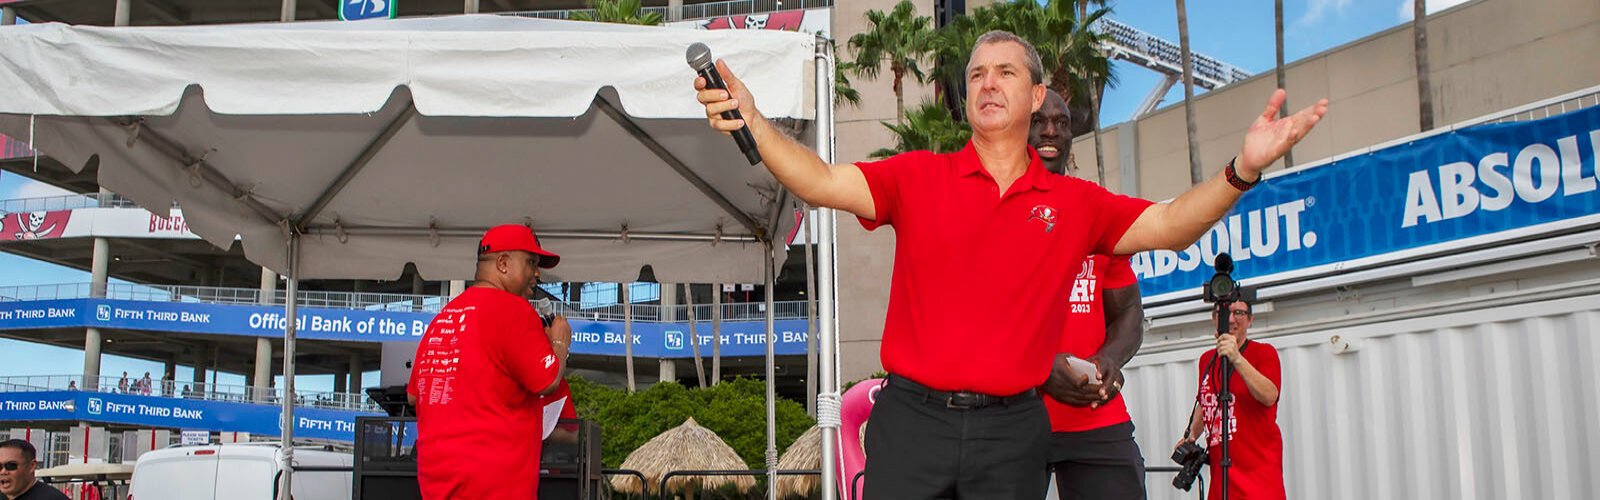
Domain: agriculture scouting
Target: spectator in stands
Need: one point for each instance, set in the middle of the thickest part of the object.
(122, 385)
(72, 385)
(18, 462)
(187, 392)
(144, 384)
(166, 385)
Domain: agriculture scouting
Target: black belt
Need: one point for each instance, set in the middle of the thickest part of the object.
(961, 400)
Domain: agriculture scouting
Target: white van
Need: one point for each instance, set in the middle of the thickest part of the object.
(236, 471)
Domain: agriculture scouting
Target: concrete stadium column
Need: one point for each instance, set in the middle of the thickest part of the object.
(470, 7)
(669, 302)
(355, 373)
(339, 380)
(200, 362)
(674, 10)
(263, 373)
(456, 287)
(669, 370)
(262, 381)
(269, 287)
(8, 16)
(92, 342)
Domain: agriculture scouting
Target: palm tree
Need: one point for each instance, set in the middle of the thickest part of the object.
(842, 91)
(1095, 88)
(931, 127)
(619, 12)
(952, 45)
(1277, 14)
(1188, 93)
(901, 39)
(1069, 49)
(1080, 69)
(1419, 30)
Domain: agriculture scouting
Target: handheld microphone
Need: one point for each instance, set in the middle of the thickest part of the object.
(699, 57)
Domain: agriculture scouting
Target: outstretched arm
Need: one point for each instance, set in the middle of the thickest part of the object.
(820, 184)
(1176, 225)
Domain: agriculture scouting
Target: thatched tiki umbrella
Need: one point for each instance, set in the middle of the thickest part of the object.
(804, 454)
(685, 447)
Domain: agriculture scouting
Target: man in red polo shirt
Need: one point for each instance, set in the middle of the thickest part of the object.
(961, 416)
(1092, 450)
(478, 375)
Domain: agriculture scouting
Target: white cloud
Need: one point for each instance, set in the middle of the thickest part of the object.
(1318, 9)
(1406, 7)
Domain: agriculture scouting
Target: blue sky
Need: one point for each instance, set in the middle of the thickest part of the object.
(1240, 33)
(1234, 31)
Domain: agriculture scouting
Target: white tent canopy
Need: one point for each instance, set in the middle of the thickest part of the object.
(346, 150)
(364, 136)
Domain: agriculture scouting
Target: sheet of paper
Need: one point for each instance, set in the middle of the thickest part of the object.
(552, 415)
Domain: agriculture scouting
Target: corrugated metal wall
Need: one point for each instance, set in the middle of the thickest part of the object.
(1497, 402)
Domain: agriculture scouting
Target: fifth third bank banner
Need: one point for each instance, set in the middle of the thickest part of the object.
(1446, 188)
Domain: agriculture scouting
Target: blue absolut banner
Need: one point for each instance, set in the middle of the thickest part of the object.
(151, 411)
(1445, 188)
(651, 340)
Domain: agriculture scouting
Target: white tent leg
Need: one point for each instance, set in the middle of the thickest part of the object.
(772, 392)
(627, 331)
(291, 304)
(828, 400)
(811, 318)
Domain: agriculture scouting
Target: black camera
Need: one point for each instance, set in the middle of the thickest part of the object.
(1222, 287)
(1190, 456)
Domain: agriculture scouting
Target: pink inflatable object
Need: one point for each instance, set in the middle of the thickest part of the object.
(856, 407)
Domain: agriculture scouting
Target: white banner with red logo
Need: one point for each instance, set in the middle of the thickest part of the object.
(805, 21)
(93, 223)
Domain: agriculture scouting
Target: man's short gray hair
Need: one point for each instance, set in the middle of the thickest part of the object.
(1035, 66)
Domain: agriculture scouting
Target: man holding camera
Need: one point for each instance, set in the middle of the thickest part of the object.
(1255, 444)
(1092, 450)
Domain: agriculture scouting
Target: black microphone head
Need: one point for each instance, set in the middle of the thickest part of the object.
(1224, 263)
(699, 56)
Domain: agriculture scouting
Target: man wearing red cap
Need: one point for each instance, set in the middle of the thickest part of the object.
(478, 375)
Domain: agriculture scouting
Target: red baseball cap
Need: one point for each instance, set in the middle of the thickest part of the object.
(510, 237)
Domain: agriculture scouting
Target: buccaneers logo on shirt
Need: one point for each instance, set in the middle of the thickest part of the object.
(1045, 214)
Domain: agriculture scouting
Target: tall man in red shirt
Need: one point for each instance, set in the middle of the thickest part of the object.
(1092, 450)
(478, 374)
(961, 416)
(1254, 441)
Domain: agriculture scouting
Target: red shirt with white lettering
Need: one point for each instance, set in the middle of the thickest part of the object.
(477, 377)
(1254, 441)
(1016, 252)
(563, 394)
(1085, 333)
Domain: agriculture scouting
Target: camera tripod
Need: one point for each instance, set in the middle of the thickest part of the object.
(1224, 395)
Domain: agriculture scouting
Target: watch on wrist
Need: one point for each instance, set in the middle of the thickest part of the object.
(1233, 177)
